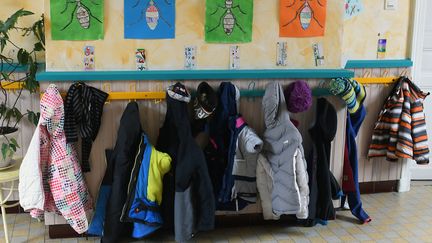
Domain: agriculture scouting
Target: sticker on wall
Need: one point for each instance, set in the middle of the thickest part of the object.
(353, 8)
(149, 19)
(282, 55)
(141, 59)
(190, 57)
(318, 54)
(228, 21)
(77, 20)
(89, 58)
(234, 57)
(302, 18)
(382, 47)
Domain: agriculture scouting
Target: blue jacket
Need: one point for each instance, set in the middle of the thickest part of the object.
(145, 190)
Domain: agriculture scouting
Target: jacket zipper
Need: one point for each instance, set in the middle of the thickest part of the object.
(133, 178)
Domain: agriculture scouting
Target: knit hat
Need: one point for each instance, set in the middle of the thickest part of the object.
(205, 101)
(179, 92)
(298, 96)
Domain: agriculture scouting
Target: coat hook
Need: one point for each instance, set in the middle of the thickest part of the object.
(132, 89)
(404, 73)
(251, 87)
(385, 73)
(107, 89)
(159, 88)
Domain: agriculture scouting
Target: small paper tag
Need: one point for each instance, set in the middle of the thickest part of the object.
(281, 54)
(190, 57)
(382, 47)
(89, 59)
(318, 54)
(234, 57)
(141, 59)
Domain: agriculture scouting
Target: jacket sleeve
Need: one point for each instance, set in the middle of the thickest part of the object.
(302, 183)
(253, 143)
(206, 201)
(419, 134)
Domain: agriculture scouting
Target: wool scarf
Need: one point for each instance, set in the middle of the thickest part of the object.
(83, 108)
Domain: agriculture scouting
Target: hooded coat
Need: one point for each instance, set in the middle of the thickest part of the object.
(283, 150)
(323, 185)
(194, 205)
(64, 189)
(145, 189)
(123, 156)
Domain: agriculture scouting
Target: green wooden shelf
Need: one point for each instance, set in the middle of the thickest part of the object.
(389, 63)
(48, 76)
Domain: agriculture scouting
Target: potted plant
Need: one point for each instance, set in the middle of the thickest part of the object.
(25, 66)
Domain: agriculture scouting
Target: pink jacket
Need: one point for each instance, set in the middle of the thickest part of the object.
(65, 191)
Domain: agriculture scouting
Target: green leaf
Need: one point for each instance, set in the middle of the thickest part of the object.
(2, 43)
(33, 117)
(12, 147)
(4, 150)
(23, 57)
(12, 20)
(14, 142)
(39, 47)
(5, 76)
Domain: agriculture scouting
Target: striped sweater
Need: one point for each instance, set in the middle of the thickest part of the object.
(400, 131)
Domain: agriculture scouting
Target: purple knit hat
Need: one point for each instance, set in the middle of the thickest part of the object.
(298, 96)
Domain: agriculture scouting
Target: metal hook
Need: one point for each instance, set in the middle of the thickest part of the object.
(107, 89)
(251, 87)
(404, 72)
(385, 73)
(159, 88)
(132, 89)
(366, 73)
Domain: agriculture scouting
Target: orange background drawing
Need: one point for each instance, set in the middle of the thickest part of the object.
(286, 14)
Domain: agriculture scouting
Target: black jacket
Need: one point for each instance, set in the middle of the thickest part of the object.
(128, 138)
(322, 184)
(188, 192)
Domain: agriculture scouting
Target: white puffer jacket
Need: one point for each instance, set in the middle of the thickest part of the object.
(265, 186)
(30, 187)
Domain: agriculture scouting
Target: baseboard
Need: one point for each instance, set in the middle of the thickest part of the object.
(16, 209)
(59, 231)
(65, 231)
(378, 187)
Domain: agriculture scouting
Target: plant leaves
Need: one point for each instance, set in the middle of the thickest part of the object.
(5, 76)
(23, 57)
(39, 47)
(4, 150)
(12, 20)
(33, 117)
(14, 142)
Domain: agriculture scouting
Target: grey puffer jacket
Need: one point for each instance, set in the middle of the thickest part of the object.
(282, 143)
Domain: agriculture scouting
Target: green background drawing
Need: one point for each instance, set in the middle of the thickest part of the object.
(244, 20)
(75, 31)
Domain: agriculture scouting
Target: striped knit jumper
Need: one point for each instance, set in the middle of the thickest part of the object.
(400, 131)
(83, 107)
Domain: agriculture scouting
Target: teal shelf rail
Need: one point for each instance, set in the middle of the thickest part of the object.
(390, 63)
(20, 68)
(47, 76)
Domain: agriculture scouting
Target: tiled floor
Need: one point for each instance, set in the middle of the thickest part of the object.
(397, 217)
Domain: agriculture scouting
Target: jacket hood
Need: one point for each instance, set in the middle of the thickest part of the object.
(326, 120)
(274, 105)
(228, 98)
(52, 111)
